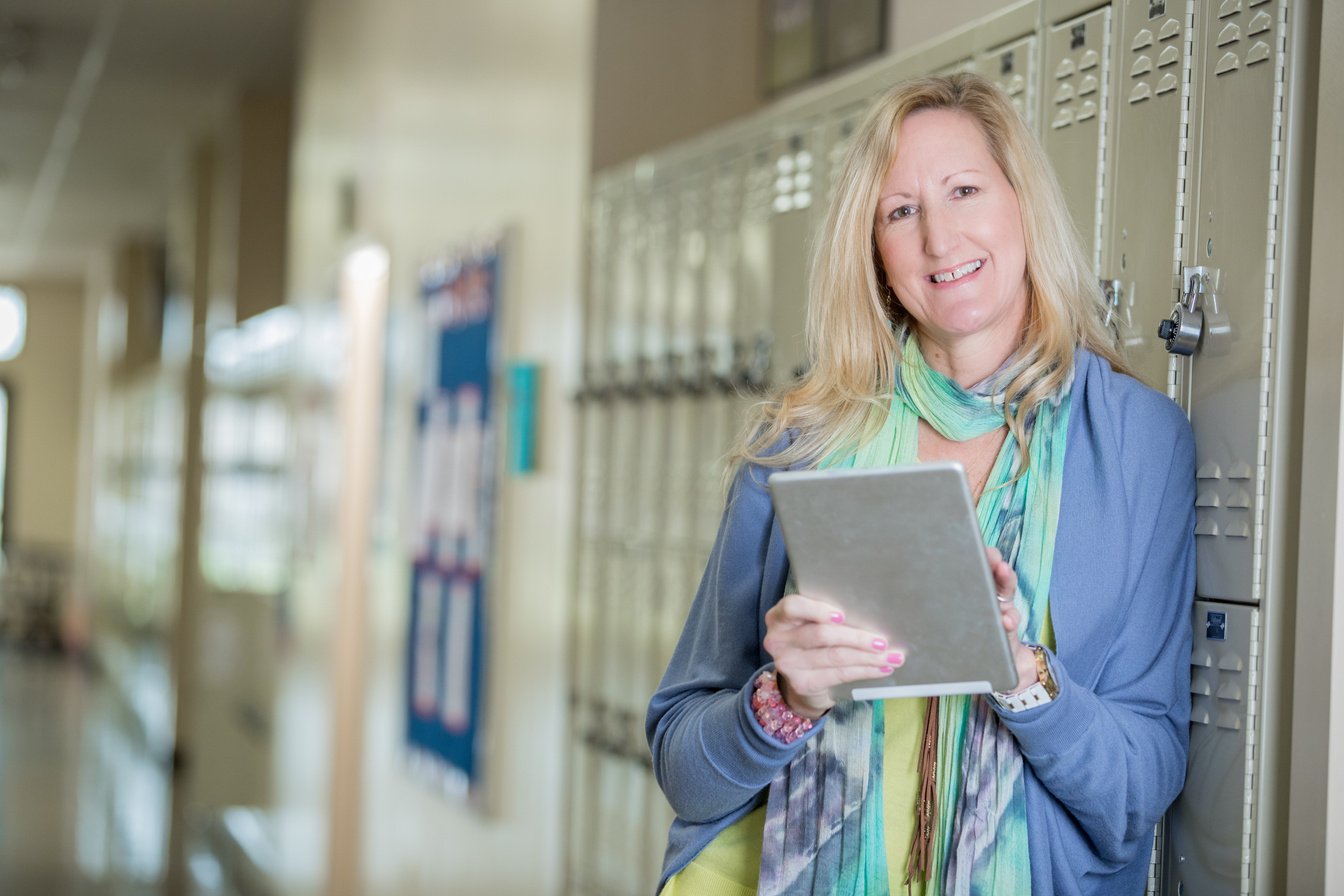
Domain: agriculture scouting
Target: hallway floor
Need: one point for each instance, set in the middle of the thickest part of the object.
(83, 804)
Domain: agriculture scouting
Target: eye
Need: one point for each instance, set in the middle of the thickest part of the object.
(901, 211)
(965, 191)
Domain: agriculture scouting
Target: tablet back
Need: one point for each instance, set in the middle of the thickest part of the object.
(898, 549)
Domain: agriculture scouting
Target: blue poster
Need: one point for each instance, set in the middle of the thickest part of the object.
(452, 504)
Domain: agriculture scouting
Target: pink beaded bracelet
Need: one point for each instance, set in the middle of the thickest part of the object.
(774, 715)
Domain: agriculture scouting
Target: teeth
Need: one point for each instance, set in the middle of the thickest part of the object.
(957, 273)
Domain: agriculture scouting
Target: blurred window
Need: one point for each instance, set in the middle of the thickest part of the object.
(13, 322)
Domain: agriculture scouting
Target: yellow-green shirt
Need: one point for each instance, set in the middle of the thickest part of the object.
(730, 865)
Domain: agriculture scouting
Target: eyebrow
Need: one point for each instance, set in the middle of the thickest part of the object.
(901, 194)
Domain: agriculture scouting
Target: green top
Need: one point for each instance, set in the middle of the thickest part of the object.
(730, 864)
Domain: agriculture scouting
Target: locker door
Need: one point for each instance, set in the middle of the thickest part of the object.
(1233, 240)
(1230, 259)
(721, 409)
(723, 256)
(1147, 187)
(594, 422)
(794, 199)
(752, 341)
(638, 301)
(1074, 108)
(1012, 66)
(1209, 836)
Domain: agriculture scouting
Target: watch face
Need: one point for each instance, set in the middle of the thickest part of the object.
(1043, 676)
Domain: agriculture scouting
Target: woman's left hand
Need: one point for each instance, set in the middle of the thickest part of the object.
(1005, 587)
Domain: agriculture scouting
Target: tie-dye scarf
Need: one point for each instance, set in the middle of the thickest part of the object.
(824, 823)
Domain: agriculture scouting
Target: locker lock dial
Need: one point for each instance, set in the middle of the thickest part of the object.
(1182, 331)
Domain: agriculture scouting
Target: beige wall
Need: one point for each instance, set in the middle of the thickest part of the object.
(1314, 862)
(663, 72)
(666, 71)
(454, 122)
(44, 384)
(913, 22)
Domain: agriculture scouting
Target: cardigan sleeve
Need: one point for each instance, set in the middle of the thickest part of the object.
(710, 756)
(1111, 750)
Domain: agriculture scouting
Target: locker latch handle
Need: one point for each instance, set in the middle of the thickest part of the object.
(1112, 295)
(1182, 331)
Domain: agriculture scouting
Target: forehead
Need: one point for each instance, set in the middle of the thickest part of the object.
(931, 140)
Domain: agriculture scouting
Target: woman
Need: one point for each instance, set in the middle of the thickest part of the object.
(952, 317)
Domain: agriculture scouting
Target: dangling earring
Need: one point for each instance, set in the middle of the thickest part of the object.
(885, 292)
(889, 299)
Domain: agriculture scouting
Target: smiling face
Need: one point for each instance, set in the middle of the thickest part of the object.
(949, 234)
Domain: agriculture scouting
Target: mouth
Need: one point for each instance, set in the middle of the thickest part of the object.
(957, 273)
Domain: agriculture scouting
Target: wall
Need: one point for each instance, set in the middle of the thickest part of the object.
(913, 22)
(447, 124)
(663, 72)
(1316, 793)
(44, 385)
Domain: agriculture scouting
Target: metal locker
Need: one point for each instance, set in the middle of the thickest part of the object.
(1012, 66)
(726, 326)
(1075, 72)
(670, 439)
(659, 221)
(1207, 846)
(843, 125)
(684, 391)
(591, 517)
(723, 252)
(611, 335)
(752, 343)
(1147, 179)
(795, 194)
(1230, 279)
(1230, 257)
(638, 287)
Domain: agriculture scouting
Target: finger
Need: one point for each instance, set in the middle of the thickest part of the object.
(795, 609)
(832, 635)
(1005, 578)
(813, 686)
(823, 645)
(873, 658)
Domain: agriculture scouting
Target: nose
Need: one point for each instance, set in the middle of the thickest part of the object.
(940, 232)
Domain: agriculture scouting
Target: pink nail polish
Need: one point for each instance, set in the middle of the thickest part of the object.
(879, 644)
(885, 670)
(896, 658)
(837, 617)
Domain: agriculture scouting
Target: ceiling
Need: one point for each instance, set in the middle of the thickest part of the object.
(98, 99)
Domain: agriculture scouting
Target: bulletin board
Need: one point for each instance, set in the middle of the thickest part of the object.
(452, 502)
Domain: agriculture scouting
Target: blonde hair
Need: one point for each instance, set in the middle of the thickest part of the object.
(853, 323)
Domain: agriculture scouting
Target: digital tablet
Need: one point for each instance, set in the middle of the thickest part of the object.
(898, 550)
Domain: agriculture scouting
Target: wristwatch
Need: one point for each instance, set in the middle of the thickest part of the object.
(1038, 694)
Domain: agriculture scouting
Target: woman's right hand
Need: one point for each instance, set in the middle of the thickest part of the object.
(815, 650)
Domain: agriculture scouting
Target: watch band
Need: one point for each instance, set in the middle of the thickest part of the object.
(1041, 692)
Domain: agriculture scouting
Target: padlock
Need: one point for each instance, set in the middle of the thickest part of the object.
(1183, 330)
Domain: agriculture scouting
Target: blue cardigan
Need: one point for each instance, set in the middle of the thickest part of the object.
(1104, 760)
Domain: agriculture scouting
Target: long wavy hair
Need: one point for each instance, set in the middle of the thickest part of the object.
(854, 320)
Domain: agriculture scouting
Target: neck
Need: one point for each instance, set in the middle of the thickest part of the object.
(965, 361)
